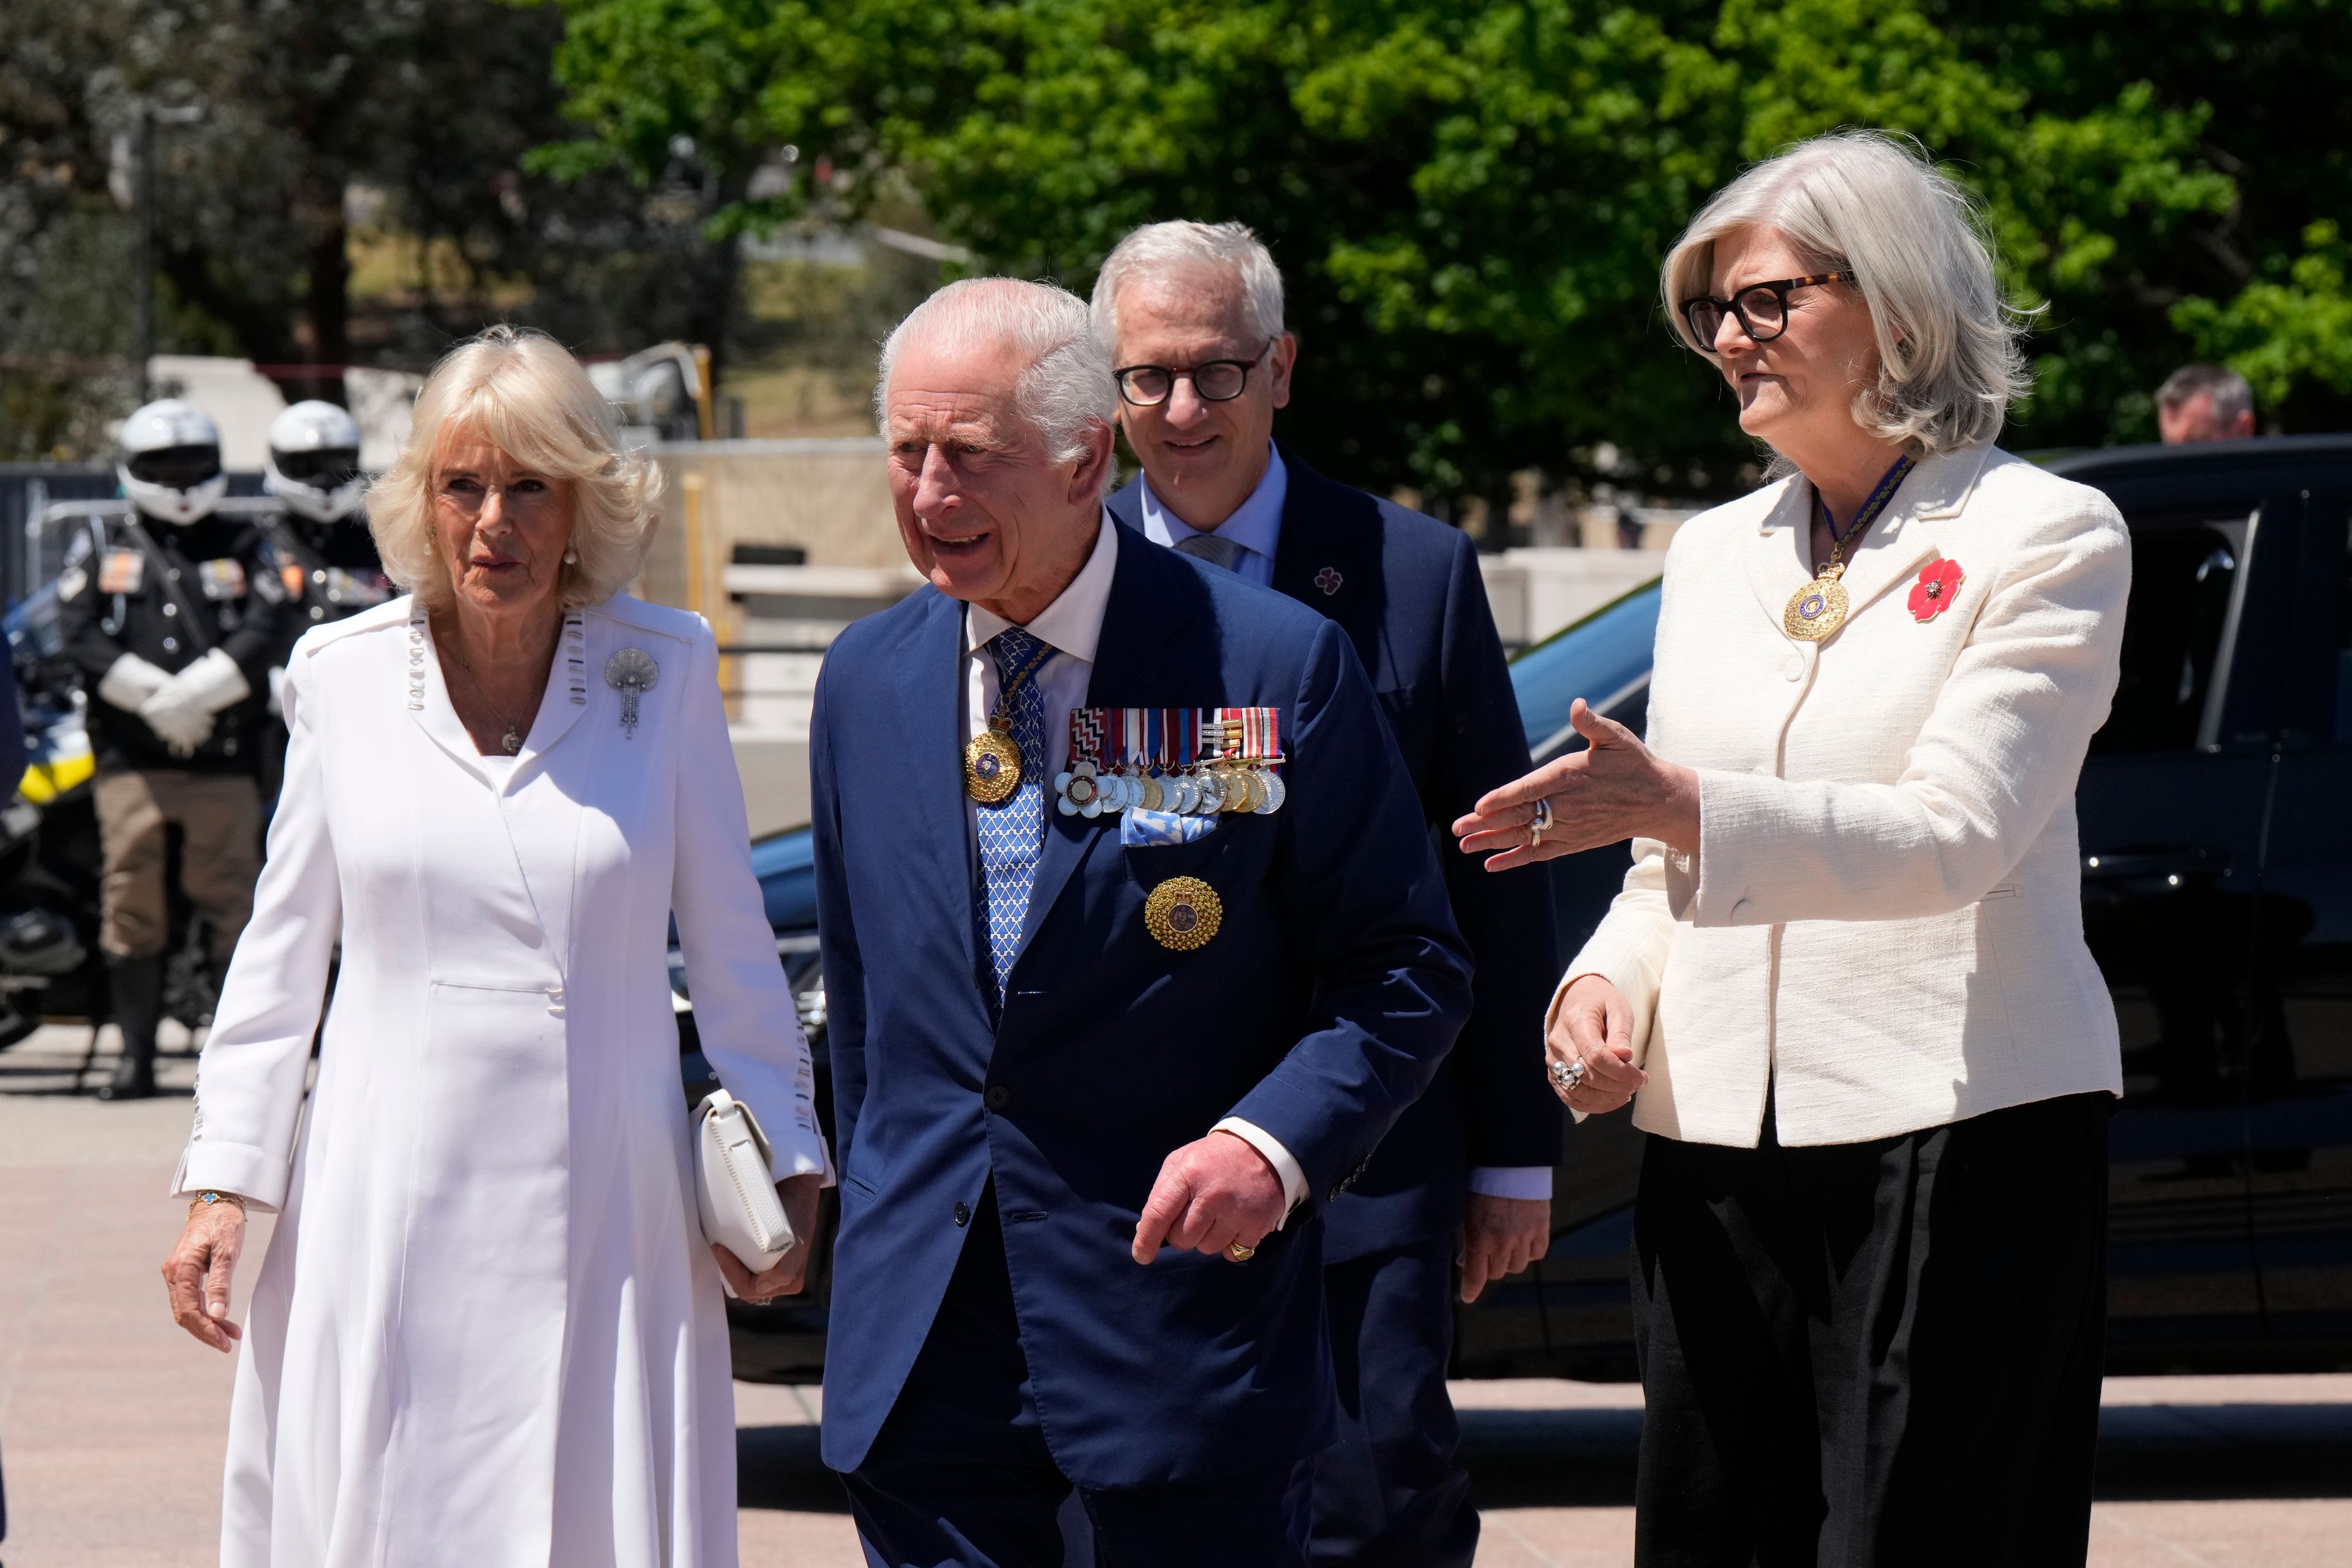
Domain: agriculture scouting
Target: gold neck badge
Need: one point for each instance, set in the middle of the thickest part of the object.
(1819, 607)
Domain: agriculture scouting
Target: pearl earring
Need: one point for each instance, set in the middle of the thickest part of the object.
(571, 558)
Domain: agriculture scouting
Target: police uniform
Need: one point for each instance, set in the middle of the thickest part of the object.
(326, 571)
(171, 594)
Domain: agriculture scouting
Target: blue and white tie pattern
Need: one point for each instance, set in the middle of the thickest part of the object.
(1013, 831)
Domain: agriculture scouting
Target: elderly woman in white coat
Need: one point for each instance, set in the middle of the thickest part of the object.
(1845, 985)
(487, 1329)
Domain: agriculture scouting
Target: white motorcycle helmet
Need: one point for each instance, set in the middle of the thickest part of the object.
(170, 465)
(314, 461)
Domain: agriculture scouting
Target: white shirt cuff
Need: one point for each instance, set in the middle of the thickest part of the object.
(1531, 1181)
(1293, 1180)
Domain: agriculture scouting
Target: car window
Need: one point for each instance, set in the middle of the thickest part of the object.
(2186, 578)
(1603, 659)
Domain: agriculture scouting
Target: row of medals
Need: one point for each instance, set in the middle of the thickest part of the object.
(1226, 784)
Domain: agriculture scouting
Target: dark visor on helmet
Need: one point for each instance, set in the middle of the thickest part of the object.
(329, 467)
(175, 467)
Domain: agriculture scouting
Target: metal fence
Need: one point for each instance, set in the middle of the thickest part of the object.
(32, 535)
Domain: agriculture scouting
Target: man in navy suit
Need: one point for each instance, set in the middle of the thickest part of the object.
(1096, 1074)
(1195, 314)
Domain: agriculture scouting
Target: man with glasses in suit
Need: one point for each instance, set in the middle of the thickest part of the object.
(1192, 314)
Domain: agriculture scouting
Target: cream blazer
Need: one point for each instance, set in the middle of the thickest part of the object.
(1883, 920)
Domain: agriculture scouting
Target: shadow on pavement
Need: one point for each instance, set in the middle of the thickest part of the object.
(1584, 1459)
(1571, 1458)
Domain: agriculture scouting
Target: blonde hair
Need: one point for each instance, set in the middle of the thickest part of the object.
(524, 393)
(1948, 345)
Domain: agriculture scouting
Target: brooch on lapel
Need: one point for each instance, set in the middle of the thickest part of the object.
(1329, 580)
(632, 672)
(1938, 586)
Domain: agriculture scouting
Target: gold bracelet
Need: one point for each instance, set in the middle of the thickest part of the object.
(206, 1200)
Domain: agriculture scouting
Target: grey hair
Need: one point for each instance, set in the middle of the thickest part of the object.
(1949, 346)
(2231, 395)
(1067, 389)
(522, 392)
(1230, 247)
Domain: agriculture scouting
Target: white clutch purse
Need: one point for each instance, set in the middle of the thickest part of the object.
(733, 1188)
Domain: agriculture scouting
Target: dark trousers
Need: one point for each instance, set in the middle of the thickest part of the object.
(1873, 1355)
(960, 1474)
(1391, 1491)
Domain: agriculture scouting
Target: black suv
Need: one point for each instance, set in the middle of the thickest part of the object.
(2216, 814)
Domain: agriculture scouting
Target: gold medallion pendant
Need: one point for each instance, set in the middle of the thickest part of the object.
(992, 766)
(1818, 608)
(1182, 913)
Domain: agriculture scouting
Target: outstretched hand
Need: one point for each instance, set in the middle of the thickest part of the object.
(1615, 788)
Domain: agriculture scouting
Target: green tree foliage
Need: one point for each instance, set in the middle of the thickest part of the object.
(1470, 198)
(426, 109)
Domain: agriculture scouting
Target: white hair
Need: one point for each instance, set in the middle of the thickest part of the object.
(1948, 344)
(1228, 247)
(1067, 389)
(522, 392)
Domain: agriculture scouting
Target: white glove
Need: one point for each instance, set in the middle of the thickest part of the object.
(180, 714)
(129, 681)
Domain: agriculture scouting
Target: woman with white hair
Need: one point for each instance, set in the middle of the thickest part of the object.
(487, 1329)
(1845, 986)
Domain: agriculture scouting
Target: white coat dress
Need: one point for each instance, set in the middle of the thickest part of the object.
(487, 1331)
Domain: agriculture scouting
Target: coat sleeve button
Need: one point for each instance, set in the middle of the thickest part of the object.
(962, 1213)
(997, 1098)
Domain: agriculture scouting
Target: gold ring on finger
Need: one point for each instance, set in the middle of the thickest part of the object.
(1238, 1253)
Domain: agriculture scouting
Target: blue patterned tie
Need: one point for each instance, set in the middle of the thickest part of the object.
(1012, 832)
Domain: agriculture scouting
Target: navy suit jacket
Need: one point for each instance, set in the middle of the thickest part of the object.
(1407, 591)
(1320, 1009)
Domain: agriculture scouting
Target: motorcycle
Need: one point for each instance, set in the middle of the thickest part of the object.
(51, 970)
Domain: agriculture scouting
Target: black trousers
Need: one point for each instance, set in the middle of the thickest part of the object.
(960, 1474)
(1392, 1493)
(1873, 1355)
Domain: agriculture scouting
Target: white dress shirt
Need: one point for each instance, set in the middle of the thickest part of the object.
(1256, 526)
(1072, 626)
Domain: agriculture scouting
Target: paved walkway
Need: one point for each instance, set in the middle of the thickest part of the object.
(111, 1420)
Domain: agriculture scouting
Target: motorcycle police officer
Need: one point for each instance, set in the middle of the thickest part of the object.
(172, 616)
(320, 548)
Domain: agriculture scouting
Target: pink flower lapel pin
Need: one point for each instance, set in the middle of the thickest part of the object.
(1938, 586)
(1329, 580)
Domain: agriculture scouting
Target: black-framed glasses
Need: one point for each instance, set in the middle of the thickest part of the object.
(1762, 309)
(1213, 380)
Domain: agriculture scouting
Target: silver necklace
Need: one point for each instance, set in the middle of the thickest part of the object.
(511, 741)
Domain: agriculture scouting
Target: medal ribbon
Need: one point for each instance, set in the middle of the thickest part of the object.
(1889, 483)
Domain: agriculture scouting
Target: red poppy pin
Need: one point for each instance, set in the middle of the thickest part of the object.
(1938, 586)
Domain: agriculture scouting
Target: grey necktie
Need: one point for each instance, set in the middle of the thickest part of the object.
(1214, 549)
